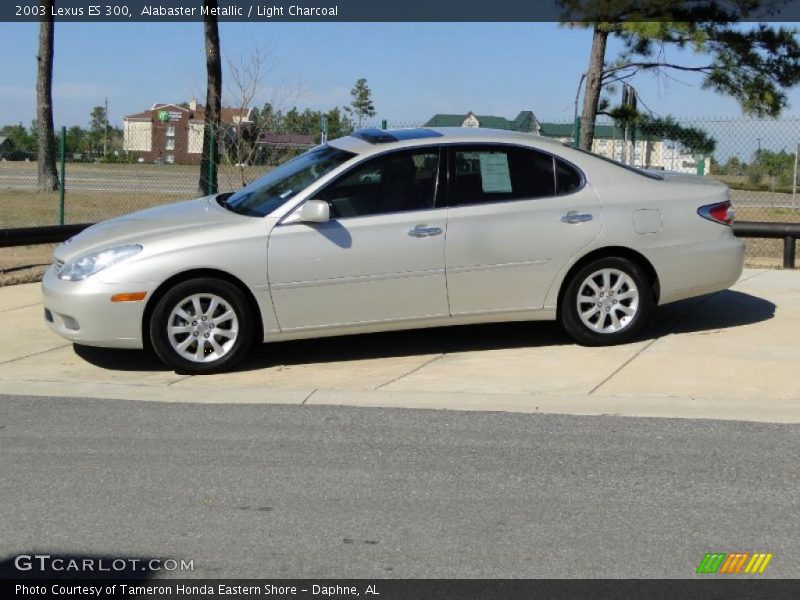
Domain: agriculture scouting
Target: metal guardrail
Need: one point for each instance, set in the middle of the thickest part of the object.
(27, 236)
(789, 232)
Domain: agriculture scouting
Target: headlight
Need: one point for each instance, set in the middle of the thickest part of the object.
(94, 263)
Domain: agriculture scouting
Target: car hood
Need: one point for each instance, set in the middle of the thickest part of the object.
(148, 224)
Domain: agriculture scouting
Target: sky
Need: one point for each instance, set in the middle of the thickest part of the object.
(414, 69)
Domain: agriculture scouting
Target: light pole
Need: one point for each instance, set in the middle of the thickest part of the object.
(576, 122)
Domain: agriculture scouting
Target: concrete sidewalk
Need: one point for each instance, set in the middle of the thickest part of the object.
(731, 355)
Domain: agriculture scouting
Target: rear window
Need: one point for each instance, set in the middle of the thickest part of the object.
(641, 172)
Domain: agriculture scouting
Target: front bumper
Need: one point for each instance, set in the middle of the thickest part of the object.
(82, 311)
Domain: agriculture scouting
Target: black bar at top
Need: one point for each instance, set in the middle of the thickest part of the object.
(396, 10)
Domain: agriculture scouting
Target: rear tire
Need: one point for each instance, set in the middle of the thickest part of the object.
(607, 302)
(202, 326)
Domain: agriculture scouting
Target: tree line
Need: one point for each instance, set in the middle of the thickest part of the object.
(767, 170)
(98, 141)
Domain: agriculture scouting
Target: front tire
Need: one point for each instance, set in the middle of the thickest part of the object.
(202, 326)
(606, 302)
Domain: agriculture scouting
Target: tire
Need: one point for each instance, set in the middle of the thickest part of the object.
(600, 311)
(216, 341)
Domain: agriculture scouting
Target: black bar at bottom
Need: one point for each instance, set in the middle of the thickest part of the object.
(733, 587)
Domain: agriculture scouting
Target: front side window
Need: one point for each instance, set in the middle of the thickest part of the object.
(498, 173)
(270, 191)
(395, 182)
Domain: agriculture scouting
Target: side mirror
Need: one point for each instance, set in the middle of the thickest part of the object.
(312, 211)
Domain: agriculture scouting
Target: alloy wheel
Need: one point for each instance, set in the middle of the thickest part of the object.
(608, 301)
(202, 328)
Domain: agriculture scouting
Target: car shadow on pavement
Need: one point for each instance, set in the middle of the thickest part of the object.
(712, 312)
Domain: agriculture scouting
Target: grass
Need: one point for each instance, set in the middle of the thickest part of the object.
(740, 182)
(131, 187)
(767, 213)
(29, 209)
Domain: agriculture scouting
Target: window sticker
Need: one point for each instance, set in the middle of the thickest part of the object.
(495, 176)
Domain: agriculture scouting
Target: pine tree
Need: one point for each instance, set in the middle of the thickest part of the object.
(362, 105)
(754, 65)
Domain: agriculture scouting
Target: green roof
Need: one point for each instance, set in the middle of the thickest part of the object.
(525, 121)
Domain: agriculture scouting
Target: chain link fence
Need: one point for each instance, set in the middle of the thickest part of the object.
(158, 161)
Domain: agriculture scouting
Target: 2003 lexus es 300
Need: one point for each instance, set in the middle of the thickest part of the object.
(392, 230)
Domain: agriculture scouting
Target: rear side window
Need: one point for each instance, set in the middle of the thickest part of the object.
(568, 178)
(498, 173)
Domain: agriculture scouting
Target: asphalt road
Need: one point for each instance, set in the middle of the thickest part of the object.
(105, 181)
(311, 491)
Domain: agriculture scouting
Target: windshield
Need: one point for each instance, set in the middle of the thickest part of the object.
(267, 193)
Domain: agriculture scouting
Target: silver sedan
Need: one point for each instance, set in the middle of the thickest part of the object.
(399, 229)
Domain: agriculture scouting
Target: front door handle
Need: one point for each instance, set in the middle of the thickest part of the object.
(573, 217)
(422, 231)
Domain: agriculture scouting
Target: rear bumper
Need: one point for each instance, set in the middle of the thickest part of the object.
(696, 269)
(82, 311)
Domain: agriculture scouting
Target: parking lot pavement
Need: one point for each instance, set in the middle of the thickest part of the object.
(730, 355)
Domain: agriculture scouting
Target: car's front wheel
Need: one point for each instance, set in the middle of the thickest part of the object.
(606, 302)
(201, 326)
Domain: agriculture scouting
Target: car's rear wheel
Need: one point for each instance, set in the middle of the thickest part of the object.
(202, 325)
(606, 302)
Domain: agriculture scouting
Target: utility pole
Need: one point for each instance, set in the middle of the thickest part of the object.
(105, 131)
(576, 131)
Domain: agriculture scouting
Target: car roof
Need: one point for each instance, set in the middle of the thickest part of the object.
(369, 141)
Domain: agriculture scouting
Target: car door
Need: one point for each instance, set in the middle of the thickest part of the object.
(380, 257)
(516, 216)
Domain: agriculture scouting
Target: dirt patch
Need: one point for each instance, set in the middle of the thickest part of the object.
(24, 264)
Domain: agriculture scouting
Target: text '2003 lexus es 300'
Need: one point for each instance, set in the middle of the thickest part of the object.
(397, 229)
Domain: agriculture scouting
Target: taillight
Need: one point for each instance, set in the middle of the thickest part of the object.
(721, 212)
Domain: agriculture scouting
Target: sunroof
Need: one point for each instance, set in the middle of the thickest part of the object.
(379, 136)
(414, 134)
(374, 136)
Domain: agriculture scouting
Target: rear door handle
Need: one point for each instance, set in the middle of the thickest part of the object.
(573, 217)
(422, 231)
